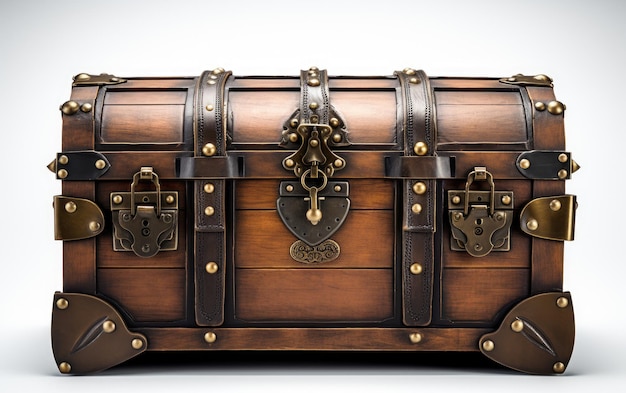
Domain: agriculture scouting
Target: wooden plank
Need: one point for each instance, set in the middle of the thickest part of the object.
(147, 124)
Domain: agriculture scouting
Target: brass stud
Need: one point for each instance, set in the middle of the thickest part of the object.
(415, 338)
(65, 367)
(337, 188)
(555, 205)
(136, 343)
(209, 188)
(313, 105)
(517, 326)
(63, 159)
(562, 302)
(506, 200)
(86, 107)
(338, 163)
(409, 71)
(532, 224)
(94, 226)
(314, 143)
(218, 70)
(289, 188)
(420, 148)
(62, 303)
(456, 199)
(211, 268)
(289, 163)
(457, 216)
(416, 268)
(70, 207)
(563, 157)
(414, 80)
(169, 199)
(209, 211)
(293, 123)
(488, 345)
(540, 106)
(117, 199)
(556, 107)
(293, 137)
(70, 107)
(108, 326)
(524, 163)
(314, 119)
(542, 77)
(211, 82)
(209, 149)
(562, 174)
(558, 368)
(209, 107)
(62, 173)
(416, 208)
(337, 138)
(313, 82)
(419, 188)
(210, 337)
(334, 122)
(82, 77)
(100, 164)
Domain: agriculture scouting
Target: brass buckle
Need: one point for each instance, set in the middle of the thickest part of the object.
(140, 222)
(480, 220)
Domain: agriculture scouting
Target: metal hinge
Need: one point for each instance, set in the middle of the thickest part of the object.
(526, 80)
(96, 80)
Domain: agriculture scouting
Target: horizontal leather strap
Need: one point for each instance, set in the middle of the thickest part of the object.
(419, 167)
(223, 167)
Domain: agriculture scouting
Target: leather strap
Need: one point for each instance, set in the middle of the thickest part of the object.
(419, 167)
(210, 239)
(419, 199)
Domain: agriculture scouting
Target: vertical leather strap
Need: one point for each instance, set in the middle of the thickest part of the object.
(419, 196)
(314, 96)
(210, 240)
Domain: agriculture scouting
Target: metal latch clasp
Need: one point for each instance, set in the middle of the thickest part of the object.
(145, 222)
(480, 220)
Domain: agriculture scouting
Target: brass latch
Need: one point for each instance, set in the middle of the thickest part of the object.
(145, 222)
(480, 220)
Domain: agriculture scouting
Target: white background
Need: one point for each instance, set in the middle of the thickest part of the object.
(581, 45)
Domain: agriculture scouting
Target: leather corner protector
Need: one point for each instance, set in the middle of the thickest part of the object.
(80, 165)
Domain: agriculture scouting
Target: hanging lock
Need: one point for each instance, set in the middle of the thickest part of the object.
(145, 222)
(480, 220)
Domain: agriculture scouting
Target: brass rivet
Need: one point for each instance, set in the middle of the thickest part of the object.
(562, 302)
(555, 205)
(416, 268)
(82, 77)
(562, 174)
(117, 199)
(63, 159)
(62, 303)
(289, 163)
(62, 173)
(210, 337)
(540, 106)
(209, 107)
(506, 200)
(313, 82)
(415, 337)
(209, 188)
(65, 368)
(456, 199)
(218, 70)
(315, 119)
(414, 80)
(488, 345)
(337, 188)
(86, 107)
(334, 122)
(416, 208)
(337, 138)
(94, 226)
(524, 163)
(209, 149)
(556, 107)
(289, 188)
(169, 199)
(70, 207)
(420, 148)
(108, 326)
(314, 142)
(136, 343)
(457, 216)
(211, 82)
(293, 137)
(70, 107)
(419, 188)
(558, 368)
(100, 164)
(542, 77)
(409, 71)
(532, 224)
(211, 267)
(313, 105)
(293, 123)
(517, 326)
(563, 157)
(209, 211)
(338, 163)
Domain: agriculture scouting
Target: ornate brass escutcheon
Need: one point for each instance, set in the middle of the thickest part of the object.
(480, 221)
(140, 221)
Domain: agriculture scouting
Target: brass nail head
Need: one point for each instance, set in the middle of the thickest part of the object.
(65, 367)
(94, 226)
(313, 82)
(209, 107)
(86, 107)
(100, 164)
(209, 211)
(338, 163)
(289, 188)
(540, 106)
(532, 224)
(209, 150)
(416, 208)
(419, 188)
(555, 205)
(70, 207)
(517, 326)
(334, 122)
(563, 157)
(62, 303)
(506, 200)
(293, 137)
(209, 188)
(524, 163)
(313, 105)
(420, 148)
(562, 302)
(488, 345)
(63, 159)
(136, 343)
(416, 268)
(556, 107)
(562, 174)
(558, 368)
(415, 338)
(336, 138)
(211, 268)
(456, 199)
(70, 107)
(289, 163)
(210, 337)
(117, 199)
(108, 326)
(169, 199)
(62, 173)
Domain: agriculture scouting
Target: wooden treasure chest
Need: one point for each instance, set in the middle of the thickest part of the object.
(313, 212)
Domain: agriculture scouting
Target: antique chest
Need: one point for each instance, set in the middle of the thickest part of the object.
(313, 212)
